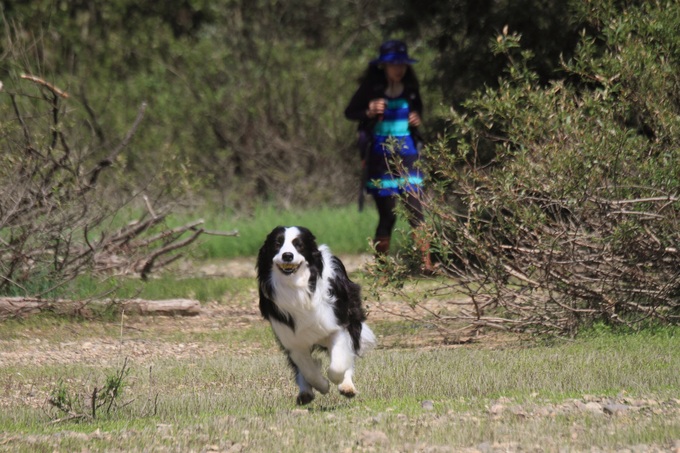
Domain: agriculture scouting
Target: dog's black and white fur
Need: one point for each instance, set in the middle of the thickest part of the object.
(310, 301)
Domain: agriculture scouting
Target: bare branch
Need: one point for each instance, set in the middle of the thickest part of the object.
(108, 161)
(47, 85)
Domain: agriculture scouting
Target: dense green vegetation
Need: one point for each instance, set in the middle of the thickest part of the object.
(246, 97)
(558, 205)
(553, 136)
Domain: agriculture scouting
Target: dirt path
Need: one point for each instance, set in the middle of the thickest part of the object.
(245, 267)
(146, 338)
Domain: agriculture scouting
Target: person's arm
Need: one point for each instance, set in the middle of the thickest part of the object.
(357, 110)
(416, 103)
(416, 109)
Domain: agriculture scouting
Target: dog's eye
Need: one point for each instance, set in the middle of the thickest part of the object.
(298, 244)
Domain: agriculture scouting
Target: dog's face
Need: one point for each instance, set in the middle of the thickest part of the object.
(289, 249)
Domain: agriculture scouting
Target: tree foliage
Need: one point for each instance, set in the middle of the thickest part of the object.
(555, 181)
(247, 96)
(460, 31)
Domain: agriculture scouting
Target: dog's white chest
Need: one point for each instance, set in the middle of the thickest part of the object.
(314, 322)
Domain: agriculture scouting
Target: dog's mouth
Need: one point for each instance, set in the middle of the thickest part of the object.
(288, 268)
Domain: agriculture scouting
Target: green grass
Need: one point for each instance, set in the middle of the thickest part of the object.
(236, 391)
(344, 229)
(165, 286)
(218, 400)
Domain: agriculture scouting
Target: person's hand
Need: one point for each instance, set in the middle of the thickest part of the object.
(376, 107)
(414, 119)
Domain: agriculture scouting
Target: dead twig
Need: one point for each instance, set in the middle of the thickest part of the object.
(46, 84)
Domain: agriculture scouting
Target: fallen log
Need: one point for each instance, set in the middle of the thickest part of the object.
(23, 306)
(17, 306)
(168, 307)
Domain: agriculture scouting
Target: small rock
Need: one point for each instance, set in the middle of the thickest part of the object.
(593, 407)
(542, 412)
(579, 405)
(427, 405)
(615, 409)
(236, 448)
(518, 411)
(370, 438)
(640, 402)
(496, 409)
(484, 447)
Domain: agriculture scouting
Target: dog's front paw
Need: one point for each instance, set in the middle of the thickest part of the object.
(347, 390)
(304, 398)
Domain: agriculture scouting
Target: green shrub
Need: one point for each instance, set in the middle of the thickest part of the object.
(558, 206)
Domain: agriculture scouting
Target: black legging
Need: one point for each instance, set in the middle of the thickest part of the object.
(388, 217)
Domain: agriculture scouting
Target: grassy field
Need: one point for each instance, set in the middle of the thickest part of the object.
(344, 228)
(217, 382)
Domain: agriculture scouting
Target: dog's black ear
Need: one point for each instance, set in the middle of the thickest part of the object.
(307, 234)
(268, 249)
(274, 234)
(310, 244)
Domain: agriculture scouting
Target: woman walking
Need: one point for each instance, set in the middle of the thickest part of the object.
(388, 107)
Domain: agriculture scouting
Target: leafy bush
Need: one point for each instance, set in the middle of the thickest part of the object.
(557, 206)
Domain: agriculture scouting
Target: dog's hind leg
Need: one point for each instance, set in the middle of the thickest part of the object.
(341, 368)
(308, 373)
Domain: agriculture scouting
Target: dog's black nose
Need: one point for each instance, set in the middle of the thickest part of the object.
(287, 257)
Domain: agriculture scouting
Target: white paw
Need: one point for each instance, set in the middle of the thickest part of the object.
(347, 389)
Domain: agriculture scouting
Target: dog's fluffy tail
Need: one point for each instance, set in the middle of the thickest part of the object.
(367, 341)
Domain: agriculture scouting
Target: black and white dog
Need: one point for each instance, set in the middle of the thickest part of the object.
(310, 302)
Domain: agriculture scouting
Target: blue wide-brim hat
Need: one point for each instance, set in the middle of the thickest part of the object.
(393, 52)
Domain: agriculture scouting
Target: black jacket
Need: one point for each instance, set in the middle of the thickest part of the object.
(367, 91)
